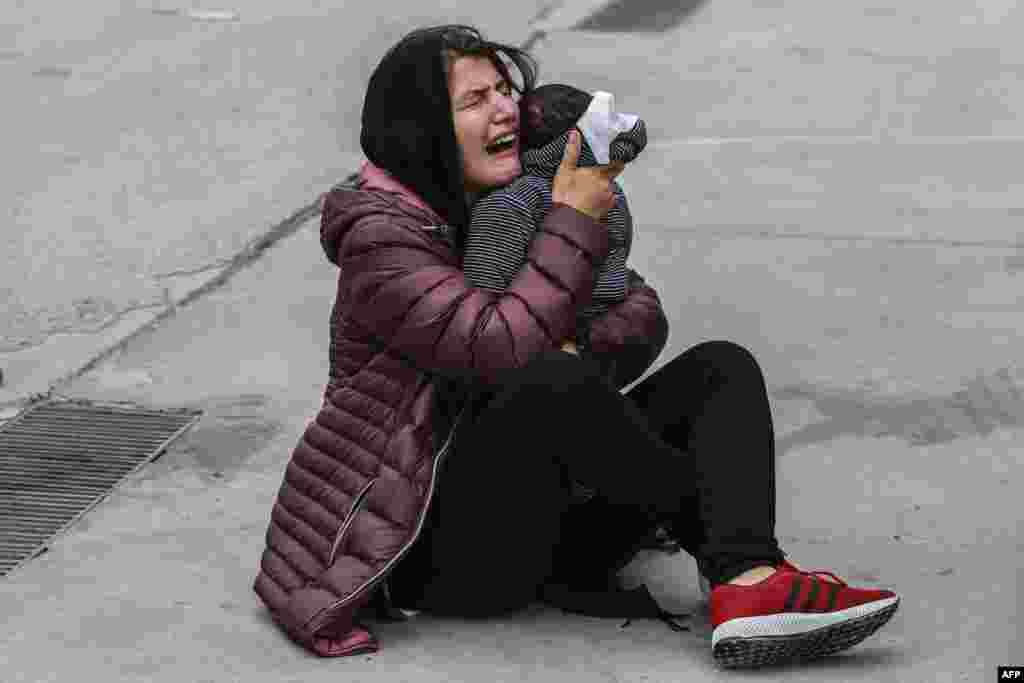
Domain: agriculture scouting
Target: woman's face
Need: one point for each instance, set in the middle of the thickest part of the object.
(485, 110)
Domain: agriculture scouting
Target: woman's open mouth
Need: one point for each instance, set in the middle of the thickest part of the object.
(503, 144)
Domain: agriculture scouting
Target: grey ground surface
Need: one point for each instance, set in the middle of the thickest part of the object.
(834, 186)
(146, 148)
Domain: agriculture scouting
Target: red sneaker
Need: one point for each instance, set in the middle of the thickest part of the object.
(793, 615)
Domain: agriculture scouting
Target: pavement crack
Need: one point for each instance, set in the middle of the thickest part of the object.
(185, 272)
(167, 306)
(545, 11)
(88, 328)
(982, 405)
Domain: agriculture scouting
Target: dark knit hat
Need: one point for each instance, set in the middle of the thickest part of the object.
(548, 111)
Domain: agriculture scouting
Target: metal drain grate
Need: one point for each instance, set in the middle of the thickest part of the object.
(59, 459)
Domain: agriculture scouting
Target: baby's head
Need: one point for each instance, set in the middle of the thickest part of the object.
(549, 111)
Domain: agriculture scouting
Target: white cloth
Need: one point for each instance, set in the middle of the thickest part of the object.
(601, 123)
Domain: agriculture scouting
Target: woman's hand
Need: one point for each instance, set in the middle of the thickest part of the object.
(588, 190)
(569, 346)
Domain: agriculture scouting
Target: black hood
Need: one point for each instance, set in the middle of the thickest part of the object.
(407, 126)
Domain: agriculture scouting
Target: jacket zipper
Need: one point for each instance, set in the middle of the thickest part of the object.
(357, 505)
(315, 622)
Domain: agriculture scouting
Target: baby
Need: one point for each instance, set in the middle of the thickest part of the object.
(504, 221)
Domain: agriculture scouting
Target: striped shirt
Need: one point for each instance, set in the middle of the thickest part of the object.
(504, 221)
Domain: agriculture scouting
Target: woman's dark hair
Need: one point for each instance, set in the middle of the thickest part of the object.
(460, 40)
(549, 111)
(407, 123)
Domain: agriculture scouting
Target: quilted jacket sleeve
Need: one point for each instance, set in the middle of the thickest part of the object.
(632, 334)
(418, 304)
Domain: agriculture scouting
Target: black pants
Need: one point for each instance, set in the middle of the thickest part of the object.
(691, 447)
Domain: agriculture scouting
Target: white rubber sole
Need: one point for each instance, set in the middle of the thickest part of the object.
(793, 623)
(797, 640)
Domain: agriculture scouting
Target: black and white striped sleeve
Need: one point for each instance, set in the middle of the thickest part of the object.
(625, 147)
(500, 231)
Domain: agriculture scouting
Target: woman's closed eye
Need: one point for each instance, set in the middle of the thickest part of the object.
(477, 97)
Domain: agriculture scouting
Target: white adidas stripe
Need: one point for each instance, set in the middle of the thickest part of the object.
(792, 623)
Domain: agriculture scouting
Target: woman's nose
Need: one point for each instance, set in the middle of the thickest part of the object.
(507, 106)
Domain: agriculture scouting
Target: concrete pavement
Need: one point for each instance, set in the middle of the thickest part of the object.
(148, 146)
(878, 283)
(154, 584)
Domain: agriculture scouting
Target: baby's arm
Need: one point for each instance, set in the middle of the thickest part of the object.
(500, 231)
(623, 205)
(611, 284)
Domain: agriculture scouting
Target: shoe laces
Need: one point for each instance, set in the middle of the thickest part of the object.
(787, 566)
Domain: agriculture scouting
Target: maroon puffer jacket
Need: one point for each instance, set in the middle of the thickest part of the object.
(358, 484)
